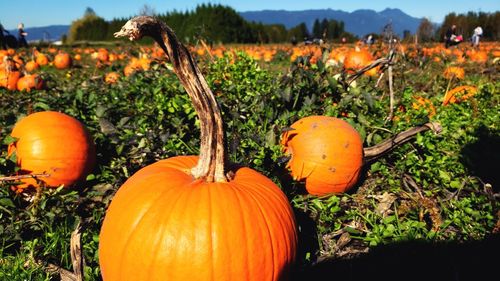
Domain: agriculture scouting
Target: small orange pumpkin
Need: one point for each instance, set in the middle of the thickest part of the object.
(358, 58)
(325, 151)
(111, 77)
(9, 74)
(459, 94)
(31, 66)
(41, 59)
(426, 104)
(102, 55)
(53, 143)
(454, 72)
(30, 81)
(62, 61)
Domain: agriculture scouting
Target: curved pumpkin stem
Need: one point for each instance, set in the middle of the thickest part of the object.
(378, 150)
(211, 164)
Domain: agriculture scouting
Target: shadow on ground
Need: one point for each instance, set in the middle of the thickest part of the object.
(482, 157)
(477, 260)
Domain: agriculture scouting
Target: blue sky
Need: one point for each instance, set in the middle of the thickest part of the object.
(47, 12)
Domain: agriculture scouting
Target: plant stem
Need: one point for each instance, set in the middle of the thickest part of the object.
(211, 164)
(378, 150)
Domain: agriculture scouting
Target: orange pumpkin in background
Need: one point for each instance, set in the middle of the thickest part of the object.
(459, 94)
(102, 55)
(9, 78)
(454, 72)
(358, 58)
(62, 61)
(111, 77)
(30, 81)
(31, 66)
(326, 152)
(41, 59)
(53, 143)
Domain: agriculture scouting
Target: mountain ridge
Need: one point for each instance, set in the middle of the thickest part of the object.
(359, 22)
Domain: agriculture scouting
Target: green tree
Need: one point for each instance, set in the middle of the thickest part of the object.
(317, 32)
(425, 31)
(89, 27)
(298, 32)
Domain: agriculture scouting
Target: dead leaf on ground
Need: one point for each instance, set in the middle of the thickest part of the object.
(385, 202)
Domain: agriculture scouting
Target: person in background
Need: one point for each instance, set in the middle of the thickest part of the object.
(478, 32)
(450, 36)
(369, 39)
(3, 45)
(21, 36)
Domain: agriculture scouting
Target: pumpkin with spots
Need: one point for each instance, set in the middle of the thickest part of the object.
(326, 152)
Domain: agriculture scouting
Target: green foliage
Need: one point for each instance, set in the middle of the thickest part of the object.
(434, 188)
(90, 27)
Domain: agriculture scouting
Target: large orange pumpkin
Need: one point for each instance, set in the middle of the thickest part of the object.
(53, 143)
(326, 152)
(182, 228)
(184, 218)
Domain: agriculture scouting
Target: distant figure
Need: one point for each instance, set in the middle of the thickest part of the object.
(21, 36)
(344, 40)
(369, 39)
(478, 32)
(451, 38)
(3, 45)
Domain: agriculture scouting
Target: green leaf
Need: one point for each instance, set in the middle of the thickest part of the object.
(41, 105)
(444, 176)
(6, 202)
(455, 184)
(9, 140)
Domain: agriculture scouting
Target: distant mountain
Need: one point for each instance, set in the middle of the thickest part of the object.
(46, 33)
(359, 22)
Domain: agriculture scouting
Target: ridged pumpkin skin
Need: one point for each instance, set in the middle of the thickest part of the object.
(164, 225)
(54, 143)
(325, 151)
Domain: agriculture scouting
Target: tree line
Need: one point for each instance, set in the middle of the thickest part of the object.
(216, 23)
(213, 23)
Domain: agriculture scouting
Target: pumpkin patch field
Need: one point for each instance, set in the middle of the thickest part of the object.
(155, 161)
